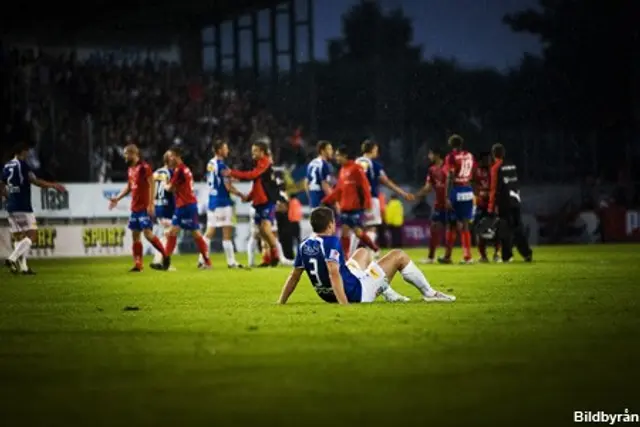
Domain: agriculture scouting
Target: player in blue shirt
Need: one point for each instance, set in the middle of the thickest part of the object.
(376, 176)
(165, 205)
(220, 209)
(357, 280)
(319, 170)
(15, 187)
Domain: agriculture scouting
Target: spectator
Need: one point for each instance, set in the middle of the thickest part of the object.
(394, 218)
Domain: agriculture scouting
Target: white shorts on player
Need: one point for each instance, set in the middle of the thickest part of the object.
(220, 217)
(373, 216)
(372, 279)
(21, 222)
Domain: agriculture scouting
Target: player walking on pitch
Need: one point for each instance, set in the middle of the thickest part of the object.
(141, 186)
(353, 194)
(264, 195)
(220, 211)
(319, 172)
(15, 186)
(165, 205)
(186, 214)
(358, 280)
(459, 165)
(436, 181)
(376, 176)
(482, 186)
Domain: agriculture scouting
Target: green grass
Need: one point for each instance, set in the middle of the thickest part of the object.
(523, 345)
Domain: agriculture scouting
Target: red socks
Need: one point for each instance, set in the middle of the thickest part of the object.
(137, 253)
(345, 241)
(203, 248)
(274, 254)
(434, 242)
(366, 240)
(171, 245)
(465, 240)
(158, 245)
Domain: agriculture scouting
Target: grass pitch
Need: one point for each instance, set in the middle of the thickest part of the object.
(523, 345)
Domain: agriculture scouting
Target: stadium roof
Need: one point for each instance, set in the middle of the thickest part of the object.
(120, 15)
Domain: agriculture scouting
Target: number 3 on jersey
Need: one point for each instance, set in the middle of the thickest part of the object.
(313, 272)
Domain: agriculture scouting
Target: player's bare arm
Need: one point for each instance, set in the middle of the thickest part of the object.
(336, 282)
(290, 285)
(3, 190)
(123, 193)
(424, 190)
(150, 209)
(387, 182)
(45, 184)
(232, 189)
(326, 187)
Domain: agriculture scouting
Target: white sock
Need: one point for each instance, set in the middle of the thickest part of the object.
(412, 274)
(227, 246)
(208, 242)
(22, 261)
(251, 249)
(22, 248)
(354, 244)
(372, 235)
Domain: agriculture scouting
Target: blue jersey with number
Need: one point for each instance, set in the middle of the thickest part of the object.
(16, 175)
(318, 171)
(219, 196)
(374, 172)
(313, 255)
(165, 202)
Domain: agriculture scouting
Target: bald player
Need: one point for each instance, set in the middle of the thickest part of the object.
(140, 185)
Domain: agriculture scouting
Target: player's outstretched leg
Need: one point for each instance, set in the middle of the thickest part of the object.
(398, 261)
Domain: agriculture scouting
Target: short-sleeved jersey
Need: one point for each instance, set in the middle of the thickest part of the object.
(482, 181)
(318, 171)
(182, 182)
(462, 163)
(352, 191)
(16, 175)
(219, 196)
(437, 178)
(313, 255)
(374, 172)
(163, 198)
(138, 176)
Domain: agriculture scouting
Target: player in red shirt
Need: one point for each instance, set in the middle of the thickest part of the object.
(264, 195)
(459, 165)
(437, 181)
(353, 194)
(140, 185)
(186, 214)
(482, 185)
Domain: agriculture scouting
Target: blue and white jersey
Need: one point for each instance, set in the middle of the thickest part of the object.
(165, 202)
(17, 175)
(219, 196)
(313, 255)
(374, 172)
(318, 171)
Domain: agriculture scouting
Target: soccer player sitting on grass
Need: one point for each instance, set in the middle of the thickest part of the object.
(357, 280)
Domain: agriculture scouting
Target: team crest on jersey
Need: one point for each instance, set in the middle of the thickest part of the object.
(160, 177)
(210, 167)
(311, 249)
(334, 255)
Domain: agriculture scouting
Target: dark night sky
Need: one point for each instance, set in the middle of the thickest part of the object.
(469, 30)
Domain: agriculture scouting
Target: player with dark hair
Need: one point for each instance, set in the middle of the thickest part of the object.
(376, 176)
(141, 186)
(264, 195)
(15, 186)
(504, 201)
(358, 280)
(317, 181)
(482, 185)
(459, 165)
(220, 209)
(436, 181)
(186, 214)
(165, 206)
(353, 195)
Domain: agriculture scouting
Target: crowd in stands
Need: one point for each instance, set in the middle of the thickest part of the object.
(61, 103)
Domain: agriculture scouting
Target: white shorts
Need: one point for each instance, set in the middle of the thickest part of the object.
(372, 279)
(220, 217)
(373, 216)
(20, 222)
